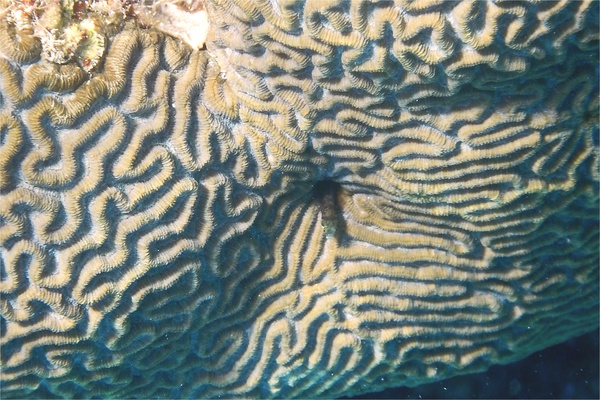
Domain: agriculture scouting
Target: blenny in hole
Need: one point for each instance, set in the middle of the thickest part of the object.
(325, 193)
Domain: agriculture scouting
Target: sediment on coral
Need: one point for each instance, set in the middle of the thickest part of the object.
(329, 198)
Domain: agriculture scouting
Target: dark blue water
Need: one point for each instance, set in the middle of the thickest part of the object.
(565, 371)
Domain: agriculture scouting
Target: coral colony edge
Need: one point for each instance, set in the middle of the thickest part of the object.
(292, 198)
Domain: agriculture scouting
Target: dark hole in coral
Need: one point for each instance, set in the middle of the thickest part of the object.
(325, 187)
(325, 193)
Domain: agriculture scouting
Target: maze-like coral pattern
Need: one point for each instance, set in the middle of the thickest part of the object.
(333, 197)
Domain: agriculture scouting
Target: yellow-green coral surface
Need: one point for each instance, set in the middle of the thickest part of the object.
(332, 197)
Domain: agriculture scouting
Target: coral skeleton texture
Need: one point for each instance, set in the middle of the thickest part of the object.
(329, 198)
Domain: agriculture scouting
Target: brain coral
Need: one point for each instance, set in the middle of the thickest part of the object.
(333, 197)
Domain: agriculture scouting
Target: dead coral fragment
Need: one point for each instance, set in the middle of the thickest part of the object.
(183, 19)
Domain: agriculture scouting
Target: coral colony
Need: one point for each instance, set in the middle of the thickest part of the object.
(292, 198)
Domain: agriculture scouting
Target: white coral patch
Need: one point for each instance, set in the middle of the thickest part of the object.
(186, 20)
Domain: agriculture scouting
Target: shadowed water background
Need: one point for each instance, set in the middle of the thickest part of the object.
(566, 371)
